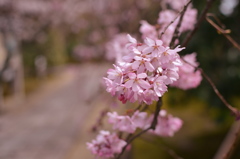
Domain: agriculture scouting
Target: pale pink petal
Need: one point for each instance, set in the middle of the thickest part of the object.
(148, 50)
(132, 75)
(136, 64)
(136, 88)
(149, 41)
(129, 83)
(144, 84)
(142, 75)
(131, 39)
(149, 66)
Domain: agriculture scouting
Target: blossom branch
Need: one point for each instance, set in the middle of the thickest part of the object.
(200, 20)
(235, 111)
(220, 29)
(152, 126)
(176, 31)
(181, 13)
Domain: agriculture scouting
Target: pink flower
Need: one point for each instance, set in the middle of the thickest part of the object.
(106, 145)
(139, 119)
(159, 85)
(167, 125)
(121, 123)
(115, 49)
(126, 123)
(148, 30)
(188, 77)
(144, 72)
(153, 46)
(137, 82)
(115, 74)
(189, 19)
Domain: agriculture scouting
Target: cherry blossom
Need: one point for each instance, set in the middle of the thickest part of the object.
(115, 48)
(148, 30)
(188, 76)
(167, 125)
(122, 123)
(106, 145)
(126, 123)
(144, 72)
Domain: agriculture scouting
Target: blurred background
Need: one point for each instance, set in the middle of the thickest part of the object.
(53, 57)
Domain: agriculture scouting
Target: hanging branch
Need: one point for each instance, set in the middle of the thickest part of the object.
(176, 31)
(152, 126)
(235, 111)
(200, 20)
(180, 21)
(220, 28)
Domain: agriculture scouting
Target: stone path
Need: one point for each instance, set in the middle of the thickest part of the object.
(55, 121)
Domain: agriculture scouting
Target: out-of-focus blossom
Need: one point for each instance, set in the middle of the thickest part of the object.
(84, 52)
(188, 76)
(148, 30)
(121, 123)
(106, 145)
(167, 125)
(127, 123)
(116, 47)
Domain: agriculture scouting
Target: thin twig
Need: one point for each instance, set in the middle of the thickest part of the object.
(200, 20)
(180, 13)
(176, 31)
(235, 111)
(220, 29)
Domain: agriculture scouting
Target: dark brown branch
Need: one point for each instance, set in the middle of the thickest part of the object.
(200, 20)
(221, 29)
(176, 31)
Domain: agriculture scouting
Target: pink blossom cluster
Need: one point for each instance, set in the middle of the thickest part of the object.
(145, 72)
(126, 123)
(106, 145)
(167, 125)
(115, 48)
(188, 76)
(165, 18)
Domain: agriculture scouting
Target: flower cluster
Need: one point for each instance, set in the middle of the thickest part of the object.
(145, 71)
(167, 125)
(188, 77)
(166, 17)
(126, 123)
(106, 145)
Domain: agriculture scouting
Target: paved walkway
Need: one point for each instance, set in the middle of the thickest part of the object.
(55, 121)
